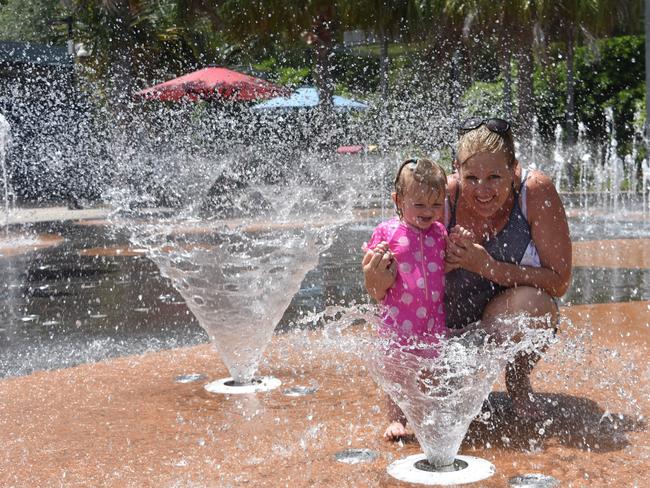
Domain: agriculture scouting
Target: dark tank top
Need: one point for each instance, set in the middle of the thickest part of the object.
(467, 293)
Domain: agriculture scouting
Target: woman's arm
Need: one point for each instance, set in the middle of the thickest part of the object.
(550, 233)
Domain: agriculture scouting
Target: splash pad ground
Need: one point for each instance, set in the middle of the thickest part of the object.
(127, 421)
(54, 213)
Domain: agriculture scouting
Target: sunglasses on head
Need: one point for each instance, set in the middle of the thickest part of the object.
(498, 126)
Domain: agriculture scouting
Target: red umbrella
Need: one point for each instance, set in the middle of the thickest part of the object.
(214, 83)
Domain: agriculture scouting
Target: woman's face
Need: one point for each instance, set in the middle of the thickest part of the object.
(486, 182)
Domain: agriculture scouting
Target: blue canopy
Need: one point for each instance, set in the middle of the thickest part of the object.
(307, 98)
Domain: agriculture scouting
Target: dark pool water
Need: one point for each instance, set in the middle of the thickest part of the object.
(60, 308)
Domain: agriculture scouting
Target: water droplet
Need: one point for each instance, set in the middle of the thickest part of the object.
(534, 480)
(356, 456)
(297, 391)
(189, 378)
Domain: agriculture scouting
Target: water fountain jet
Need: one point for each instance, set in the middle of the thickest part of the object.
(238, 270)
(12, 243)
(441, 388)
(5, 139)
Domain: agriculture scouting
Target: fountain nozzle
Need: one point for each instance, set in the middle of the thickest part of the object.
(229, 386)
(425, 465)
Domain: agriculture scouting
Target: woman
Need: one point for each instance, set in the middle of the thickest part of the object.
(520, 260)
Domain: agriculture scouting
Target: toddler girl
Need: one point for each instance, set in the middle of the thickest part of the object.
(415, 242)
(412, 248)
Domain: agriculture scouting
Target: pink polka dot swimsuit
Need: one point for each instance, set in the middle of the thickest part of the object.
(414, 305)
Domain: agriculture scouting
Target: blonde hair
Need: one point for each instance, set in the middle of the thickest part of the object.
(423, 171)
(483, 139)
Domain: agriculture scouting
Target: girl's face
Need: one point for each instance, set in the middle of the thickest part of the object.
(419, 205)
(486, 182)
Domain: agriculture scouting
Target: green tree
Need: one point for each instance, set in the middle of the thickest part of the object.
(576, 22)
(388, 20)
(31, 21)
(566, 21)
(572, 23)
(609, 74)
(118, 33)
(188, 32)
(507, 26)
(314, 23)
(134, 40)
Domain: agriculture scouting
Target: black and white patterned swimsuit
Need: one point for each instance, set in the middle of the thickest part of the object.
(467, 293)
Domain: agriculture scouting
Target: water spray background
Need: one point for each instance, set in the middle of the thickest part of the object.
(171, 156)
(439, 387)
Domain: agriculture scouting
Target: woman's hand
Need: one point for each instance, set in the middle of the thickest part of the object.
(379, 270)
(462, 252)
(456, 243)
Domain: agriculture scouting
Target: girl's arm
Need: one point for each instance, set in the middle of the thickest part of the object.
(550, 233)
(379, 271)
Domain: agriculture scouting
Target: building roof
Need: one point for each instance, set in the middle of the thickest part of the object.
(36, 54)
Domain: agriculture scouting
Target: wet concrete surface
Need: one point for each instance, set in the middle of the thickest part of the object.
(612, 253)
(124, 421)
(61, 307)
(127, 422)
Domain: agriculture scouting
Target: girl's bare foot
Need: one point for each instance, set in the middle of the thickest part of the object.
(395, 431)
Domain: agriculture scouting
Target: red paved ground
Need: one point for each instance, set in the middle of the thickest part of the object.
(126, 422)
(615, 253)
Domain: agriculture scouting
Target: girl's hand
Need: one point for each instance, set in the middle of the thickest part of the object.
(458, 233)
(379, 270)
